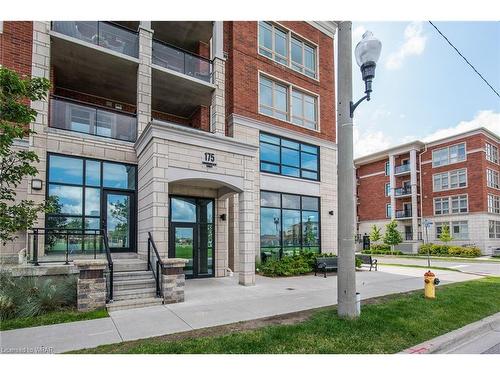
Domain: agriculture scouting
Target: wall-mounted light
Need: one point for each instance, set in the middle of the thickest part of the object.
(36, 184)
(223, 217)
(330, 212)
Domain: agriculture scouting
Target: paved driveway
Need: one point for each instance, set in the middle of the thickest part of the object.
(211, 302)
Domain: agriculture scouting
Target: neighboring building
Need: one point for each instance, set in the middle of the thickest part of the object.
(452, 181)
(218, 138)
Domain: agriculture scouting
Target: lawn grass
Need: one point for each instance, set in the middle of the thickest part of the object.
(442, 258)
(389, 326)
(55, 317)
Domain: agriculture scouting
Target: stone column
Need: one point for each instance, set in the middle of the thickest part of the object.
(144, 85)
(91, 285)
(392, 182)
(233, 232)
(221, 238)
(247, 235)
(173, 280)
(218, 110)
(414, 198)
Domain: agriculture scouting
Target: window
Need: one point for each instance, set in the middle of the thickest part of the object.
(492, 179)
(387, 189)
(455, 204)
(494, 229)
(274, 101)
(388, 210)
(450, 180)
(387, 168)
(493, 204)
(304, 110)
(448, 155)
(289, 158)
(274, 43)
(75, 186)
(459, 230)
(288, 224)
(491, 153)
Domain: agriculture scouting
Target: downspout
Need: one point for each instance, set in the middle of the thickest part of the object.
(421, 192)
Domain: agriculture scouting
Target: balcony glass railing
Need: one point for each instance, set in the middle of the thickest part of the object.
(401, 168)
(402, 191)
(80, 118)
(181, 61)
(403, 213)
(104, 34)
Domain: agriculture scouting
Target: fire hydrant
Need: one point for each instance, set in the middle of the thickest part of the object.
(430, 282)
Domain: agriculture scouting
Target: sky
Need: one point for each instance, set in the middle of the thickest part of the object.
(422, 88)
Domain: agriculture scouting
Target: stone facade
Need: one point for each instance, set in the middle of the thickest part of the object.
(173, 280)
(91, 285)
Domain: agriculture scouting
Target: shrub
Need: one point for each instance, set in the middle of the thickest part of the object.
(382, 247)
(446, 250)
(22, 297)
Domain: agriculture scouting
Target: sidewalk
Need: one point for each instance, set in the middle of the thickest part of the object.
(216, 301)
(481, 337)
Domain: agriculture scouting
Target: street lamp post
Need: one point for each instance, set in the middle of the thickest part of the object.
(367, 54)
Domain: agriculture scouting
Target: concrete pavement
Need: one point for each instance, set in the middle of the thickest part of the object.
(212, 302)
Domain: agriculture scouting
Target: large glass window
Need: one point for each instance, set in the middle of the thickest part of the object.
(455, 204)
(492, 179)
(304, 110)
(459, 230)
(450, 180)
(287, 48)
(493, 204)
(75, 187)
(494, 229)
(289, 158)
(288, 224)
(491, 153)
(448, 155)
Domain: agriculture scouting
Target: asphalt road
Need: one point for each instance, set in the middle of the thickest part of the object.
(483, 268)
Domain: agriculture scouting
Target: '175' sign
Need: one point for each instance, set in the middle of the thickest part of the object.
(209, 159)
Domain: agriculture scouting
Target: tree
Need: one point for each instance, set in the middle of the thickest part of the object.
(392, 236)
(15, 165)
(375, 234)
(445, 235)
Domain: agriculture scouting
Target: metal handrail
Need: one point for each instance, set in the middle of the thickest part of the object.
(110, 265)
(402, 168)
(158, 264)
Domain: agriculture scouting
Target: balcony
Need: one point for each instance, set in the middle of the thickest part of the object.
(81, 118)
(105, 34)
(408, 236)
(402, 169)
(402, 191)
(403, 214)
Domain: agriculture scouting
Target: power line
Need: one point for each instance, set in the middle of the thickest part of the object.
(463, 57)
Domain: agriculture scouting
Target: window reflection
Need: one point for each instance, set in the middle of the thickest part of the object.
(183, 210)
(66, 170)
(118, 176)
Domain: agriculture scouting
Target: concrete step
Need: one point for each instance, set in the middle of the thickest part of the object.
(129, 265)
(133, 284)
(131, 255)
(132, 275)
(120, 295)
(133, 303)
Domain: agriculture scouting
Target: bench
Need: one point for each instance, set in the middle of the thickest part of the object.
(368, 260)
(325, 264)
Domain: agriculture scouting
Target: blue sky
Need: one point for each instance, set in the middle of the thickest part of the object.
(423, 89)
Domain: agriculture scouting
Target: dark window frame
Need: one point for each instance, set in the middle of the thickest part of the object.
(280, 164)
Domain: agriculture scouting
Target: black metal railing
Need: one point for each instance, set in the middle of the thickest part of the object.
(409, 236)
(401, 168)
(154, 263)
(403, 214)
(84, 118)
(176, 59)
(105, 34)
(63, 245)
(402, 191)
(109, 274)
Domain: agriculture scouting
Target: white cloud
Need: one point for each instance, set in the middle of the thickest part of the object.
(357, 33)
(487, 119)
(413, 45)
(369, 141)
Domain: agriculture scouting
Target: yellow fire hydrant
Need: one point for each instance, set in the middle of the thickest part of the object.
(430, 282)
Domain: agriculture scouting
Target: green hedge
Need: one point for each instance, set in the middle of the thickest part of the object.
(293, 265)
(382, 249)
(447, 250)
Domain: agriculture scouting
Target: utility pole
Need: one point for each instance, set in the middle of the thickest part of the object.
(346, 276)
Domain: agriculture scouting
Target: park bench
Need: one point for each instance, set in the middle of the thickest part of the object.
(325, 264)
(368, 260)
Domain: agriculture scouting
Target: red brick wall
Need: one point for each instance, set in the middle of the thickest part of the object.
(200, 118)
(244, 63)
(16, 45)
(371, 191)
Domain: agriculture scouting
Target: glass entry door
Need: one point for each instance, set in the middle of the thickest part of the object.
(118, 219)
(192, 234)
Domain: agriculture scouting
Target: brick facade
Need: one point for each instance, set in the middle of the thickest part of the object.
(16, 45)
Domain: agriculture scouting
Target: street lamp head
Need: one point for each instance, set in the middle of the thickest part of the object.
(367, 53)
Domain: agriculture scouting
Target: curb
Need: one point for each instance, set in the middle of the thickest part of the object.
(457, 337)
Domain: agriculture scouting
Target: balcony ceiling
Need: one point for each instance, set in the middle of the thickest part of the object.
(91, 70)
(179, 95)
(185, 34)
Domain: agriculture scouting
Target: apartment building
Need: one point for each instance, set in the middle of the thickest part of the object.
(452, 181)
(216, 140)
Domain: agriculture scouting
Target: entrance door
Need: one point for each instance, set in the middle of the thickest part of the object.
(118, 219)
(192, 234)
